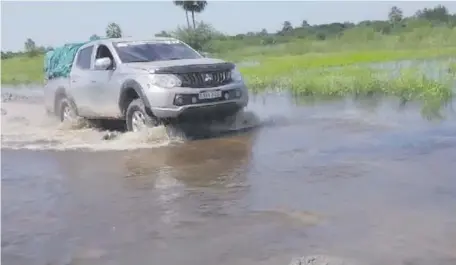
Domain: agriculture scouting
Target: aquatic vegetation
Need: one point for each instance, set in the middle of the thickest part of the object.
(408, 84)
(332, 83)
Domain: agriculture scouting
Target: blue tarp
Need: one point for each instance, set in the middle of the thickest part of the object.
(58, 62)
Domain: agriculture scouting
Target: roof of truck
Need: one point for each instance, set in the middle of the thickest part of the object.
(131, 39)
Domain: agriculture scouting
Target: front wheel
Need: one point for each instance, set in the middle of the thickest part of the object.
(137, 118)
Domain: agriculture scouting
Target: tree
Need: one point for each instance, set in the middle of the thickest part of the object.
(395, 15)
(113, 31)
(193, 7)
(263, 32)
(7, 55)
(30, 47)
(198, 38)
(163, 34)
(439, 13)
(94, 37)
(304, 24)
(287, 27)
(181, 4)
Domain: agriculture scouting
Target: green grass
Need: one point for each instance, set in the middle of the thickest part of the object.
(26, 70)
(352, 40)
(23, 70)
(315, 73)
(274, 67)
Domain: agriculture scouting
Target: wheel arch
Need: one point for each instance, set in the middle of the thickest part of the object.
(60, 93)
(130, 91)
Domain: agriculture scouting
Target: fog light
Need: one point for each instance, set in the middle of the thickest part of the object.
(227, 95)
(193, 100)
(238, 93)
(179, 100)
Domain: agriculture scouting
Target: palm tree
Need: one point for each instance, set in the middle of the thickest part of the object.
(198, 7)
(192, 6)
(181, 4)
(113, 31)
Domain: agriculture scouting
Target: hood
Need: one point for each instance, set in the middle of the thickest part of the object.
(152, 66)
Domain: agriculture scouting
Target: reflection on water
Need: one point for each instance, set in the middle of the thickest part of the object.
(221, 159)
(224, 160)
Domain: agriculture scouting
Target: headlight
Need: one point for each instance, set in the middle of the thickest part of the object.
(165, 80)
(236, 75)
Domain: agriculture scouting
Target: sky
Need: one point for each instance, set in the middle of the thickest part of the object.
(57, 22)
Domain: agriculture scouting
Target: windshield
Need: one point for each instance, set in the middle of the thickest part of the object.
(130, 52)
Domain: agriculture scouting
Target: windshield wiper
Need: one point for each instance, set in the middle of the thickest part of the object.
(139, 61)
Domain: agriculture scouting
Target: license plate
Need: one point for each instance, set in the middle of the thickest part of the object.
(210, 94)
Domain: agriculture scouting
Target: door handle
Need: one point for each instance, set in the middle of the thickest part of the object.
(93, 81)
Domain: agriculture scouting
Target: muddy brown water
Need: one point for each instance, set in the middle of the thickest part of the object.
(371, 183)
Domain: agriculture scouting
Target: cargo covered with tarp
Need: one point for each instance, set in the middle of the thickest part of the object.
(58, 62)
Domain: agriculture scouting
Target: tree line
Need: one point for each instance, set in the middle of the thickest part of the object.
(202, 36)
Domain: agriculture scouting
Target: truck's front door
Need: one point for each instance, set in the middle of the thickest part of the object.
(105, 90)
(80, 82)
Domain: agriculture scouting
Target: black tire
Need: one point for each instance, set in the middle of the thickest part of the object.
(64, 103)
(137, 105)
(231, 118)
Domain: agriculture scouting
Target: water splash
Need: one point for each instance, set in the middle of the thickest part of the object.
(26, 125)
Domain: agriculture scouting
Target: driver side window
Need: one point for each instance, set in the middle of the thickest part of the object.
(102, 52)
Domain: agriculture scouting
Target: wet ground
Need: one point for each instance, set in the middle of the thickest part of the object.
(369, 182)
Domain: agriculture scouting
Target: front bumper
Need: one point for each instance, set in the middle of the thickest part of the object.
(163, 103)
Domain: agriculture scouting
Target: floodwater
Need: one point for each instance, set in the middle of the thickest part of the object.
(366, 182)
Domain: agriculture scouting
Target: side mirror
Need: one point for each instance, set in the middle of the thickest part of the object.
(102, 63)
(205, 54)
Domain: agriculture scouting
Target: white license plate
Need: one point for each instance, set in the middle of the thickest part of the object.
(210, 94)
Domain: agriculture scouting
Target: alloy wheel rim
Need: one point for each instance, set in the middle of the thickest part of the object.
(138, 121)
(67, 114)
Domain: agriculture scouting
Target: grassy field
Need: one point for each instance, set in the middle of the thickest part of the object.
(333, 67)
(419, 40)
(273, 67)
(23, 70)
(26, 70)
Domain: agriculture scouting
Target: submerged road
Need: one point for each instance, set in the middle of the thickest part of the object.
(368, 182)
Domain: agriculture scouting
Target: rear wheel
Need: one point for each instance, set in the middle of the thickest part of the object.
(67, 111)
(137, 118)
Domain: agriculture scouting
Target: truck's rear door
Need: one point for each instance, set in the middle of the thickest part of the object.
(80, 82)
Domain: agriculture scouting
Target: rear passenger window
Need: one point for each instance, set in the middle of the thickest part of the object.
(84, 58)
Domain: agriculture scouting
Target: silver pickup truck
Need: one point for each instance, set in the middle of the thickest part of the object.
(146, 83)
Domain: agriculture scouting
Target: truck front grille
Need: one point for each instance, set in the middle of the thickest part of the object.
(205, 79)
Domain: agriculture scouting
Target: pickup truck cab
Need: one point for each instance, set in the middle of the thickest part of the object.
(145, 83)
